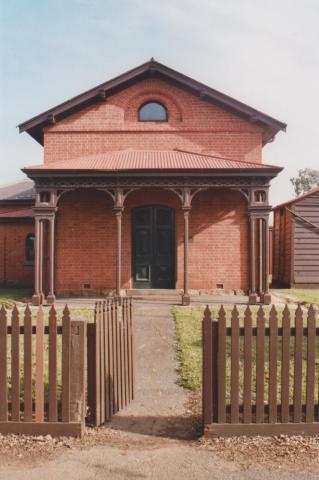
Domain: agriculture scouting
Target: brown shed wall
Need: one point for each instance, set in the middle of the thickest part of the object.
(306, 242)
(296, 243)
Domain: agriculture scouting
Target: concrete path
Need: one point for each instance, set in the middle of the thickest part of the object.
(159, 404)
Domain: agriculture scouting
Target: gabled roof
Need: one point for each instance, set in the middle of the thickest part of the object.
(149, 160)
(34, 126)
(297, 199)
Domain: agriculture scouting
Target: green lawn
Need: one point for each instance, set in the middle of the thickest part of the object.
(8, 296)
(188, 324)
(303, 296)
(76, 313)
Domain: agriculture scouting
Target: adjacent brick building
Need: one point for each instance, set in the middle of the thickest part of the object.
(17, 234)
(151, 180)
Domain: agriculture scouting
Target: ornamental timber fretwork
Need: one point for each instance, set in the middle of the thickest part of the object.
(243, 182)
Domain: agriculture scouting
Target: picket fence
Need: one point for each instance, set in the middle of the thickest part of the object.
(42, 386)
(262, 378)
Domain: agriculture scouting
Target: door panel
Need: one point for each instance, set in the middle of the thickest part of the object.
(143, 241)
(153, 247)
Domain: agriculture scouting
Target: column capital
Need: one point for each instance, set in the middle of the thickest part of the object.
(186, 210)
(262, 211)
(44, 213)
(118, 210)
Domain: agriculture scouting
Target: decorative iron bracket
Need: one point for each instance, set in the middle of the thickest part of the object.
(186, 195)
(243, 191)
(118, 195)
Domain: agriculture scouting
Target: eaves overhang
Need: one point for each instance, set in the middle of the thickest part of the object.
(35, 125)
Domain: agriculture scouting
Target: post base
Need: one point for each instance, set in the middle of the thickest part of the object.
(252, 299)
(267, 298)
(186, 299)
(36, 299)
(50, 299)
(118, 298)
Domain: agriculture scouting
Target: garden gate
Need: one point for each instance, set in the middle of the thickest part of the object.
(110, 359)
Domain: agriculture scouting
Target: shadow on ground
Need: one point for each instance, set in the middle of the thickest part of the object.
(174, 427)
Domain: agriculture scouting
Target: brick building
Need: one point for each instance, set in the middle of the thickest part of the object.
(151, 180)
(17, 234)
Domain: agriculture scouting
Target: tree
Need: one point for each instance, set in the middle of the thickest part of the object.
(307, 179)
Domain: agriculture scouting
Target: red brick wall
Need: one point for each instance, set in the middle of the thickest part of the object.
(13, 268)
(86, 233)
(194, 125)
(219, 248)
(85, 242)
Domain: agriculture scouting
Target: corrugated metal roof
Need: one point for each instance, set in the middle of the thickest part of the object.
(25, 213)
(127, 160)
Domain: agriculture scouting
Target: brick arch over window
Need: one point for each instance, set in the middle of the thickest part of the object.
(134, 103)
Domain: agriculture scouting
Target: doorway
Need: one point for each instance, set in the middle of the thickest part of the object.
(153, 247)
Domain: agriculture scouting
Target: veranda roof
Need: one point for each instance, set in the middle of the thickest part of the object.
(22, 213)
(150, 160)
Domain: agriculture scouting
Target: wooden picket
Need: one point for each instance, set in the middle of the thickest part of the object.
(111, 373)
(53, 406)
(15, 365)
(31, 412)
(27, 365)
(274, 381)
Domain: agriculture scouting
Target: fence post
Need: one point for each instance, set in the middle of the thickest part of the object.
(215, 367)
(3, 366)
(91, 385)
(66, 369)
(207, 368)
(77, 387)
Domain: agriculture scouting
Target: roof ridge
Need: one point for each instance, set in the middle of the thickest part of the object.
(35, 124)
(296, 199)
(16, 182)
(227, 158)
(202, 154)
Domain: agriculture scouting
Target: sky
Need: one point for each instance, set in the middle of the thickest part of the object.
(262, 52)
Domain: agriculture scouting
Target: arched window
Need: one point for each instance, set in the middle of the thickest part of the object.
(260, 196)
(29, 248)
(152, 112)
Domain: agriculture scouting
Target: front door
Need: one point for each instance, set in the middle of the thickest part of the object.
(153, 247)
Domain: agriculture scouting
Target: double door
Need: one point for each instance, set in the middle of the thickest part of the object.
(153, 245)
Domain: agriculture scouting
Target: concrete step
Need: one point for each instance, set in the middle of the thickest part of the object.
(153, 292)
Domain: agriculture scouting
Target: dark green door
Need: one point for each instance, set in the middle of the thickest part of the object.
(153, 247)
